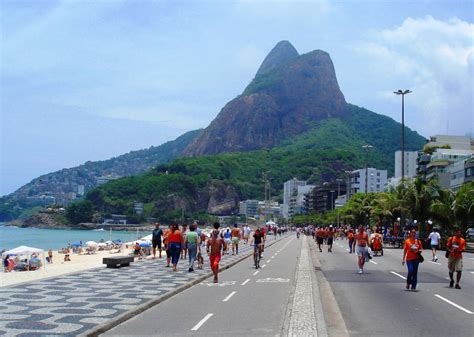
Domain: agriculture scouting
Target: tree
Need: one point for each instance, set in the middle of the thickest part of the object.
(80, 211)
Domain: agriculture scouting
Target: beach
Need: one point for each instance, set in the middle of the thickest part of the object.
(58, 267)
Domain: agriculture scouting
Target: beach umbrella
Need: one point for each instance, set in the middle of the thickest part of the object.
(91, 243)
(102, 244)
(118, 241)
(145, 244)
(109, 242)
(76, 244)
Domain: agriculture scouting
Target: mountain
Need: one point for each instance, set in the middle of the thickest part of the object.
(216, 183)
(288, 95)
(62, 183)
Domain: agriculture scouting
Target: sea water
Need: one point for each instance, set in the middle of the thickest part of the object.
(12, 237)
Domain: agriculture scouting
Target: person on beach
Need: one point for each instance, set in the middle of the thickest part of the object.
(175, 244)
(156, 235)
(214, 247)
(456, 245)
(192, 245)
(361, 242)
(235, 237)
(411, 250)
(50, 256)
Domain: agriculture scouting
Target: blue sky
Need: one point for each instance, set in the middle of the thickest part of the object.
(89, 80)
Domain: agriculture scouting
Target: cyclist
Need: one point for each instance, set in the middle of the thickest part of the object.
(297, 233)
(257, 245)
(263, 232)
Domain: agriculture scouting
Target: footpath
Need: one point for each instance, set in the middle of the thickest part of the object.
(91, 302)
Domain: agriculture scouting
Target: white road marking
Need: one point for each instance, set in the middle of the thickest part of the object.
(403, 277)
(472, 272)
(264, 266)
(221, 284)
(373, 262)
(439, 264)
(454, 304)
(201, 322)
(273, 280)
(256, 272)
(268, 261)
(228, 297)
(245, 282)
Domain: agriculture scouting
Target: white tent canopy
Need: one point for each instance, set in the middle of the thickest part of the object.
(270, 223)
(22, 250)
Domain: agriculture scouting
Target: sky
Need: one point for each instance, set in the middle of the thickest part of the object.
(90, 80)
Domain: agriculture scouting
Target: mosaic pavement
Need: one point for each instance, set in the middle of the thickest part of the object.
(72, 304)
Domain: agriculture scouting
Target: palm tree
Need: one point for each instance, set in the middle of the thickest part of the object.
(443, 211)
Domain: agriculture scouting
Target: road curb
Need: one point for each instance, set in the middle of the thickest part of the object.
(335, 324)
(101, 328)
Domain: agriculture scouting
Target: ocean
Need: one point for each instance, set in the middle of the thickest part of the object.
(11, 237)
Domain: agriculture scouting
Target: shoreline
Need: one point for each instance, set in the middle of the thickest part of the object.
(85, 227)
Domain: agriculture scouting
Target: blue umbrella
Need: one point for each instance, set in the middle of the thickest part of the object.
(76, 244)
(118, 241)
(144, 244)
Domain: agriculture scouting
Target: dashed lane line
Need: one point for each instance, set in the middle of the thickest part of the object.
(454, 304)
(201, 322)
(439, 264)
(268, 261)
(256, 272)
(373, 262)
(264, 266)
(229, 296)
(401, 276)
(245, 282)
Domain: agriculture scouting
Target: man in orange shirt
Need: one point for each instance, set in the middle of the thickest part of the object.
(456, 245)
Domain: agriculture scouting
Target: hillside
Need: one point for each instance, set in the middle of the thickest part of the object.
(216, 183)
(66, 181)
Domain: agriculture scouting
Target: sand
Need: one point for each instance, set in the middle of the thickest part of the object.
(58, 267)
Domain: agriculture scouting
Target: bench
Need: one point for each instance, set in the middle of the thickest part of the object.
(117, 261)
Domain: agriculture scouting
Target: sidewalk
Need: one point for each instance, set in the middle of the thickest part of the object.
(89, 302)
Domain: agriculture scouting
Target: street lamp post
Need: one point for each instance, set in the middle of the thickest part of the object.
(332, 199)
(366, 148)
(403, 93)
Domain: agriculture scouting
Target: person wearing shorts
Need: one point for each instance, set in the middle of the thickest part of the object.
(330, 238)
(156, 236)
(214, 247)
(434, 238)
(456, 245)
(235, 238)
(361, 247)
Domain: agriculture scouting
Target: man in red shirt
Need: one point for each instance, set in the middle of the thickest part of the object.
(456, 245)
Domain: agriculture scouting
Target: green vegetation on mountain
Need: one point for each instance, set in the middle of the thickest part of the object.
(330, 148)
(18, 205)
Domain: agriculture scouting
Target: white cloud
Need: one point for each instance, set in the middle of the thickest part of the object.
(433, 58)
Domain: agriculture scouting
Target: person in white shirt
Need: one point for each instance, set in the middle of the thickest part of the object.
(434, 238)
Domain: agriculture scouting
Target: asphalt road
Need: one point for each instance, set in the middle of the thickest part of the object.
(377, 304)
(245, 302)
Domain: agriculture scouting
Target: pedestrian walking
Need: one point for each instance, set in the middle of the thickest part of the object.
(434, 239)
(350, 238)
(192, 245)
(235, 237)
(166, 244)
(175, 244)
(214, 247)
(411, 255)
(330, 236)
(361, 242)
(50, 256)
(227, 239)
(456, 245)
(156, 237)
(184, 251)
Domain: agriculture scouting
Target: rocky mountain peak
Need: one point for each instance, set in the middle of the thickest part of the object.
(288, 96)
(281, 53)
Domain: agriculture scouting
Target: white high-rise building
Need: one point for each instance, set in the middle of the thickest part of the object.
(410, 164)
(376, 182)
(290, 194)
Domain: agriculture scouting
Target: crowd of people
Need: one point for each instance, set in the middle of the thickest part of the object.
(182, 242)
(366, 242)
